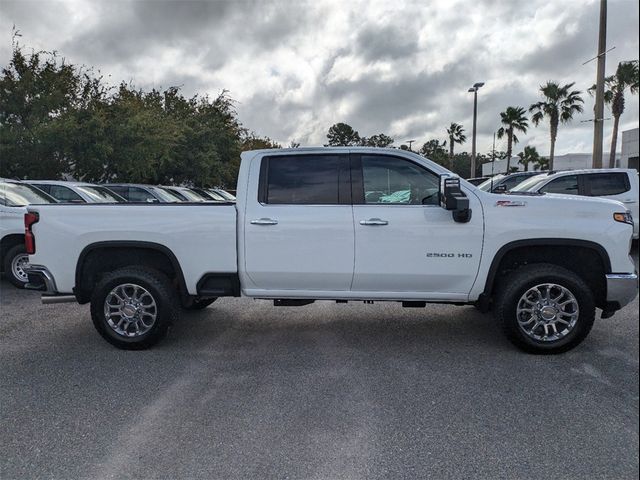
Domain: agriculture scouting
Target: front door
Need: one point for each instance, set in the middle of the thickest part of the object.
(405, 242)
(298, 233)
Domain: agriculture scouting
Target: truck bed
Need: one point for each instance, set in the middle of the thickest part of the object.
(202, 236)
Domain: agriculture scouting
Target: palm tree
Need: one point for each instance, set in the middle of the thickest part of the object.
(456, 135)
(529, 155)
(626, 77)
(560, 104)
(512, 119)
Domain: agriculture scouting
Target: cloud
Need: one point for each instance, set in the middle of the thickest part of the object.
(297, 67)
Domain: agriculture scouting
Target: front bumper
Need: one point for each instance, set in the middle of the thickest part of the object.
(40, 278)
(622, 288)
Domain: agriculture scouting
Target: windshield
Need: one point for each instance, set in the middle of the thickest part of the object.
(165, 195)
(99, 194)
(20, 194)
(225, 194)
(529, 183)
(486, 185)
(191, 196)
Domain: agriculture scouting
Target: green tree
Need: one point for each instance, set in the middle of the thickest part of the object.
(513, 119)
(342, 134)
(626, 77)
(456, 135)
(435, 150)
(253, 142)
(529, 156)
(381, 140)
(560, 104)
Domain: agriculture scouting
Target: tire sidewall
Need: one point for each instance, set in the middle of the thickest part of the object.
(581, 329)
(12, 253)
(155, 284)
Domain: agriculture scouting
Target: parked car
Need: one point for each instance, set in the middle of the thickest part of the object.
(135, 192)
(477, 180)
(223, 193)
(611, 183)
(209, 194)
(503, 183)
(303, 230)
(186, 194)
(77, 192)
(14, 197)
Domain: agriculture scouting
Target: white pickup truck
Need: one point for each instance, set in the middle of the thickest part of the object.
(341, 224)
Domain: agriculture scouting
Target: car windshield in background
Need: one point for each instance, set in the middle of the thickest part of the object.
(486, 185)
(192, 196)
(225, 194)
(529, 183)
(99, 194)
(165, 195)
(20, 194)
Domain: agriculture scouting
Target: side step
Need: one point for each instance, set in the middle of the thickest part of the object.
(291, 302)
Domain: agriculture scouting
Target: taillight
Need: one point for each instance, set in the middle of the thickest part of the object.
(29, 240)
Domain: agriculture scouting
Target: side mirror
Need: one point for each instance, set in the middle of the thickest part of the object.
(453, 198)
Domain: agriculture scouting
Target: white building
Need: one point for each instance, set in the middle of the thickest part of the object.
(629, 157)
(576, 161)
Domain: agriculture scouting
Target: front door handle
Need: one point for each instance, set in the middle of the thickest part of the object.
(374, 221)
(264, 221)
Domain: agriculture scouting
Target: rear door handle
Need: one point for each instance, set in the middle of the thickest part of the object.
(264, 221)
(374, 221)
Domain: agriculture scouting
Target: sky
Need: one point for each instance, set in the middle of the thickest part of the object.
(294, 68)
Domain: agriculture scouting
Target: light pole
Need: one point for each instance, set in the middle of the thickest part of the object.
(474, 89)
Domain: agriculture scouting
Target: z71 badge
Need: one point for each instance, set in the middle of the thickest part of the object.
(449, 255)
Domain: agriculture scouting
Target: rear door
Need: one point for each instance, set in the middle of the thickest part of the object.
(405, 241)
(298, 232)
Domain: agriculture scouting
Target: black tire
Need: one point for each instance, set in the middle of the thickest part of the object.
(160, 289)
(13, 254)
(518, 282)
(197, 303)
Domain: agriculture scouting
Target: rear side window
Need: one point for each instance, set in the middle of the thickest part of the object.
(140, 195)
(567, 184)
(603, 184)
(300, 180)
(120, 190)
(64, 194)
(514, 181)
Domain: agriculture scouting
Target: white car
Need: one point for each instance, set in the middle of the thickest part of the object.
(14, 197)
(77, 192)
(611, 183)
(307, 227)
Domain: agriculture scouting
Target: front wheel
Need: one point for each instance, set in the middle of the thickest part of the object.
(15, 265)
(545, 309)
(133, 308)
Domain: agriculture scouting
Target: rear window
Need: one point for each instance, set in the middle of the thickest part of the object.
(603, 184)
(301, 180)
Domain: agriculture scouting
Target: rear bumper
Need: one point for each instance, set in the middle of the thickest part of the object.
(622, 288)
(40, 279)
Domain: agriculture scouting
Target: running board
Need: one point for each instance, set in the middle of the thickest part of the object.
(49, 299)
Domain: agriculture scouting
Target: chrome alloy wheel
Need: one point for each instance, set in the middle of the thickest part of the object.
(547, 312)
(19, 266)
(130, 310)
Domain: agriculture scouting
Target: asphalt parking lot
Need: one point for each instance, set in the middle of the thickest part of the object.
(245, 390)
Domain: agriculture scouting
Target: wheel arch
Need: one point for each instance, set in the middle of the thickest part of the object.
(100, 257)
(560, 251)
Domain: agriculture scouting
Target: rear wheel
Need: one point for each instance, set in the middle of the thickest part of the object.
(545, 309)
(133, 308)
(15, 265)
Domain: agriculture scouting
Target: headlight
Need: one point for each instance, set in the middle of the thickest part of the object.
(623, 217)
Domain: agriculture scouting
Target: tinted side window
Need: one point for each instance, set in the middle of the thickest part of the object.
(120, 190)
(65, 194)
(302, 180)
(44, 188)
(511, 182)
(567, 184)
(602, 184)
(139, 195)
(392, 180)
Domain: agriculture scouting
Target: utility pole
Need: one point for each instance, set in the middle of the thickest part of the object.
(474, 89)
(410, 142)
(598, 120)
